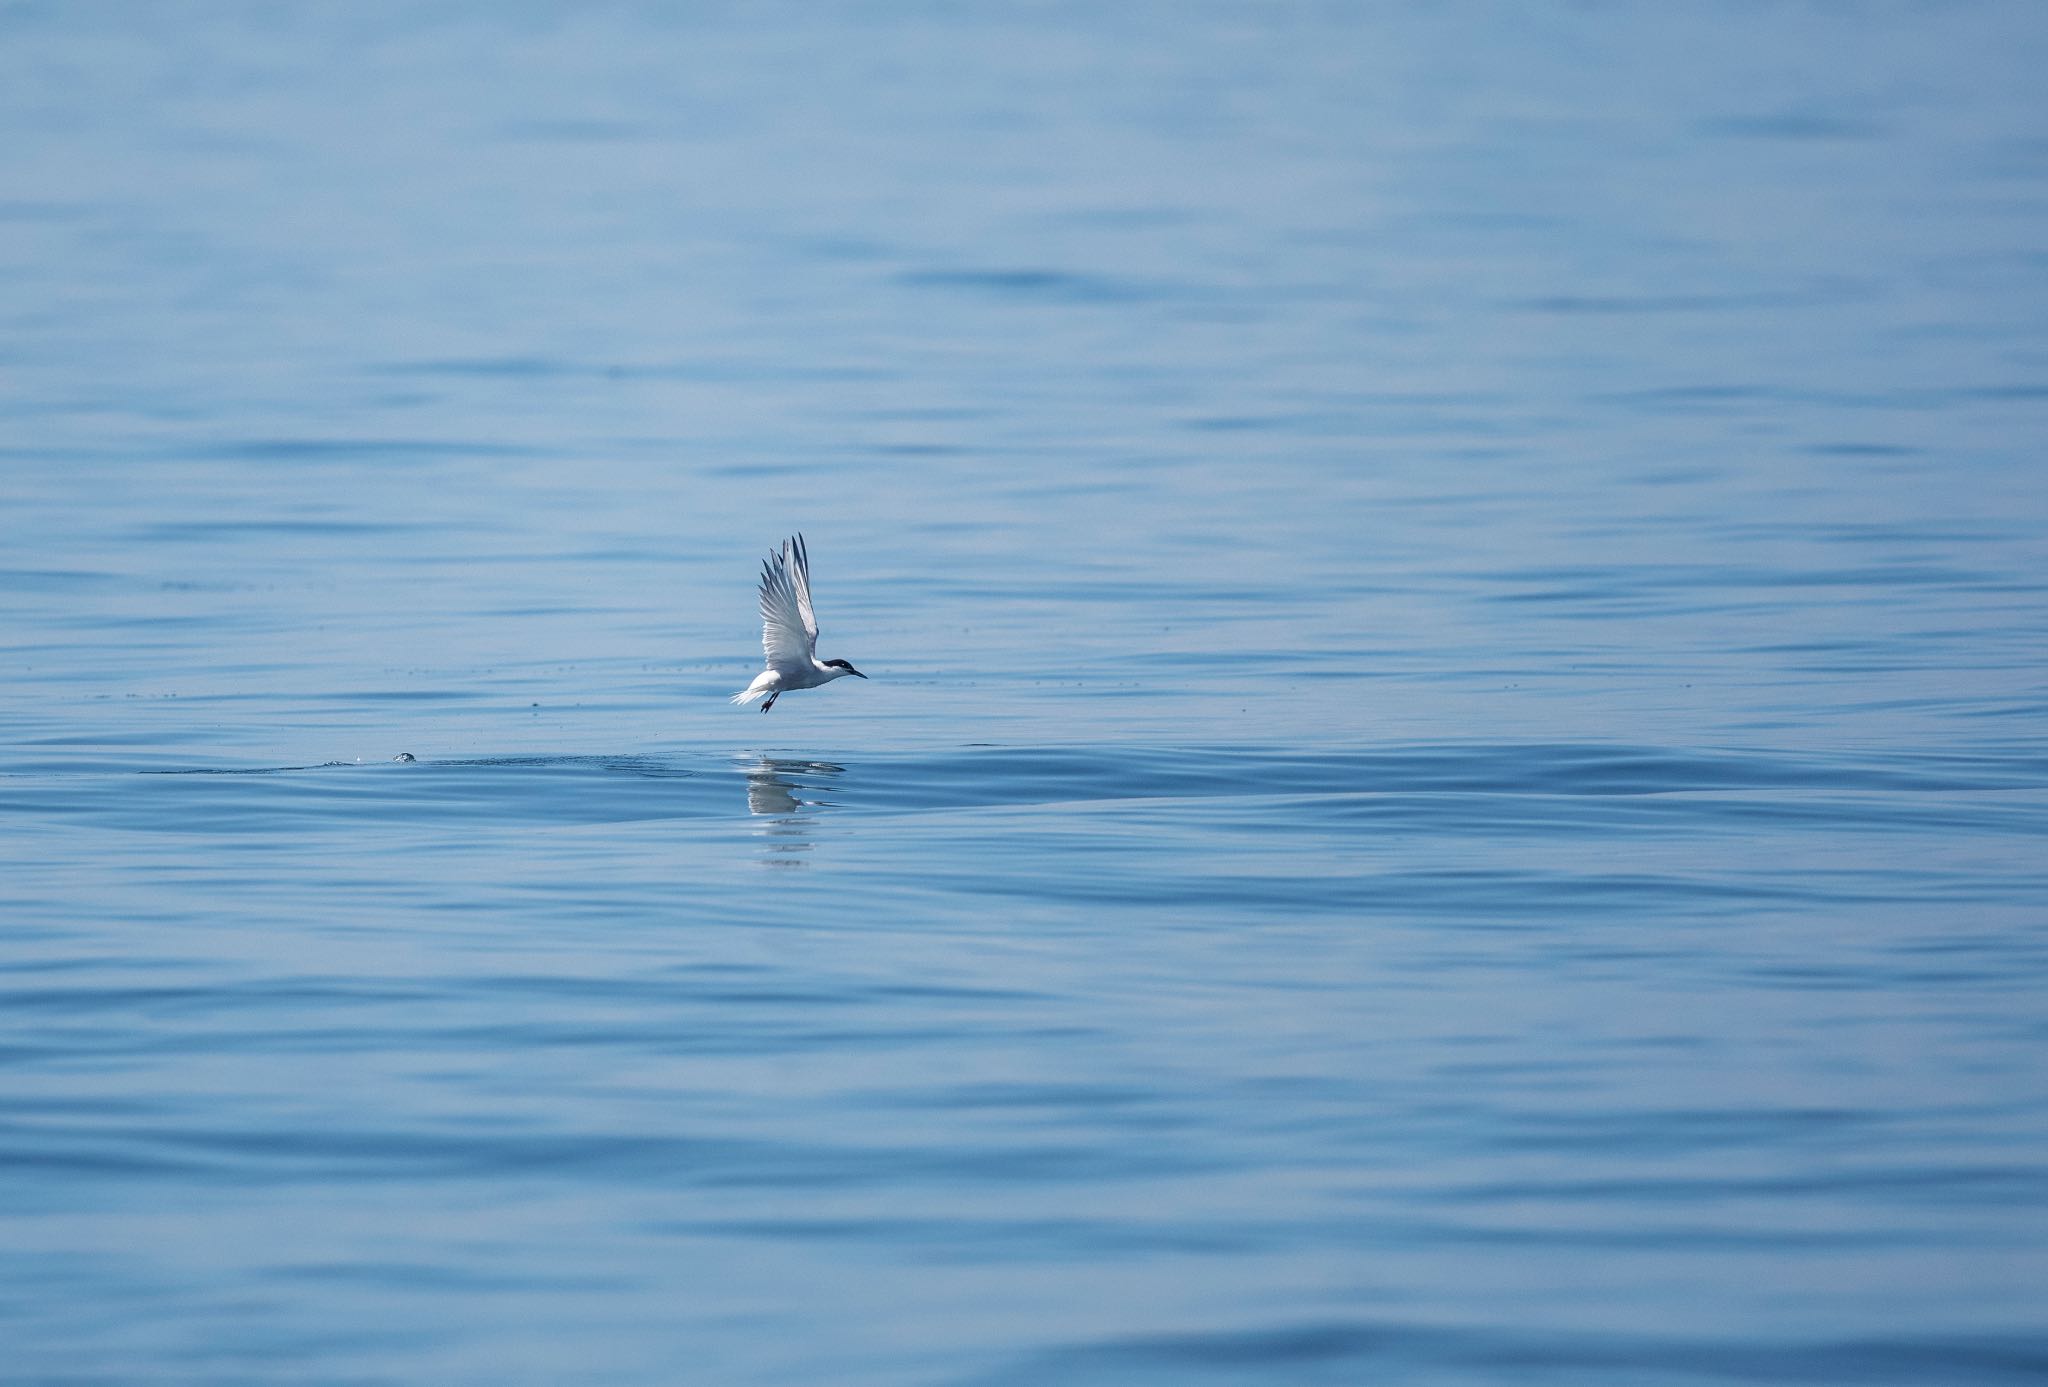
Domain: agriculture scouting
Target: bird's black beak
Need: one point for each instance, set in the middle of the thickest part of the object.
(851, 670)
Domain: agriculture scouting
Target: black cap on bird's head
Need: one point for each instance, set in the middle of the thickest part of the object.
(841, 664)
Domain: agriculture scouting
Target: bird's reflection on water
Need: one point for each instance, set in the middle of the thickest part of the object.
(786, 796)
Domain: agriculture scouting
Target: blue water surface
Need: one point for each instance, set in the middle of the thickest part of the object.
(1452, 788)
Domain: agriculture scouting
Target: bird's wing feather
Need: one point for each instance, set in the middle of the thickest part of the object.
(789, 632)
(801, 572)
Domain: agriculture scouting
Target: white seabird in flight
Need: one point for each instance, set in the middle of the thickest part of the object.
(789, 631)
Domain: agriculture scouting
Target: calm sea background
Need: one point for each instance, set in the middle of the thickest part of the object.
(1453, 788)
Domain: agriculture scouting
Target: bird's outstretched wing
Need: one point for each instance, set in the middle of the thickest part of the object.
(789, 629)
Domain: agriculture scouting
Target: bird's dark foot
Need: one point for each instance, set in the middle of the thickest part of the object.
(771, 701)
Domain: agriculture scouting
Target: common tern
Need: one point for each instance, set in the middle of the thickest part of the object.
(789, 631)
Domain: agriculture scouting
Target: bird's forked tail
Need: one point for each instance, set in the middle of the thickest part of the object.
(763, 685)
